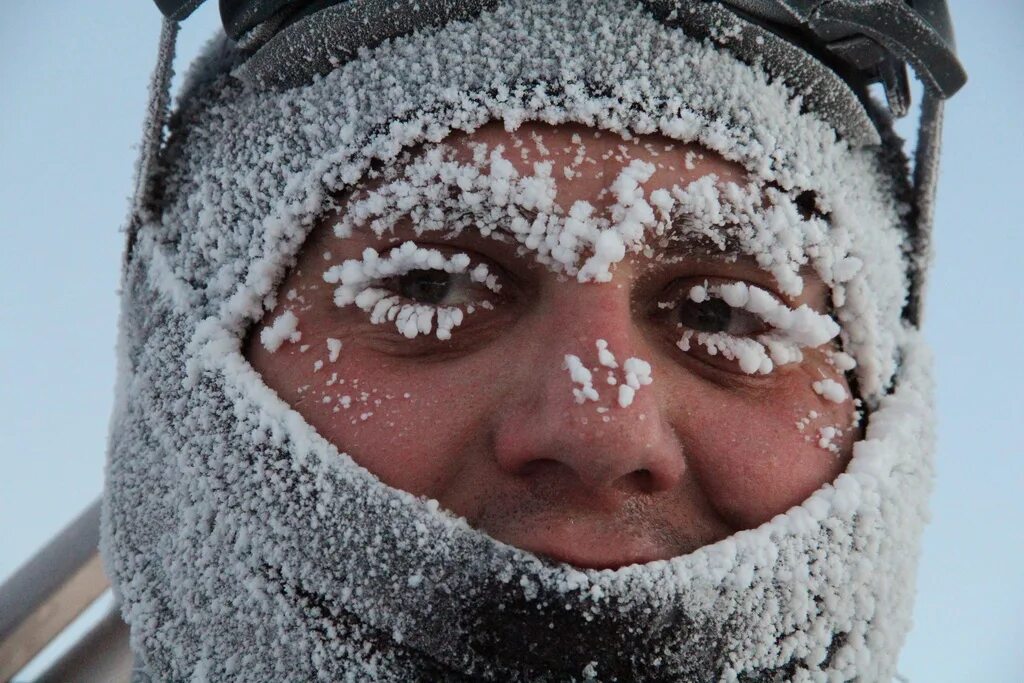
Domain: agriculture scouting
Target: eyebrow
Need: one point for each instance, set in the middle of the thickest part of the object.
(685, 238)
(682, 239)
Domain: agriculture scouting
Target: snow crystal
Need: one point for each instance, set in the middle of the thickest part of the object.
(605, 357)
(830, 390)
(843, 362)
(284, 328)
(638, 372)
(826, 437)
(359, 283)
(333, 349)
(626, 394)
(580, 375)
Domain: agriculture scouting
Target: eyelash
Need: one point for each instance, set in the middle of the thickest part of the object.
(784, 330)
(370, 284)
(778, 332)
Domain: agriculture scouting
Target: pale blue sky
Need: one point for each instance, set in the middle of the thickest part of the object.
(73, 79)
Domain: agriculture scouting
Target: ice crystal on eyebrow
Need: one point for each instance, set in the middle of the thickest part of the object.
(284, 328)
(435, 191)
(579, 374)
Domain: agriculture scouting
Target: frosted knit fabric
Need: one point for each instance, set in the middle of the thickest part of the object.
(246, 547)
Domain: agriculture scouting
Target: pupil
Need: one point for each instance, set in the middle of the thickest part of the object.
(425, 286)
(712, 315)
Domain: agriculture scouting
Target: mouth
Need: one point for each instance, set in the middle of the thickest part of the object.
(593, 545)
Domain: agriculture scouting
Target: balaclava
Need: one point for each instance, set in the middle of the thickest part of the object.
(244, 546)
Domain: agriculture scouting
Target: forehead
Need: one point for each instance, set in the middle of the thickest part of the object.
(586, 161)
(582, 200)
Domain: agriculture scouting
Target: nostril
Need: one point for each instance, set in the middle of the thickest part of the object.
(641, 481)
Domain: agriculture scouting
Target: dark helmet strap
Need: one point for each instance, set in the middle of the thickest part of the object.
(926, 176)
(153, 128)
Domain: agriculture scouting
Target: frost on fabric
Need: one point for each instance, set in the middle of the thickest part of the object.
(246, 547)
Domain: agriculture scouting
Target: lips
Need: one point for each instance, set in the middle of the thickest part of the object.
(593, 543)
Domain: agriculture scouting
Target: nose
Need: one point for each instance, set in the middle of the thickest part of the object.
(593, 437)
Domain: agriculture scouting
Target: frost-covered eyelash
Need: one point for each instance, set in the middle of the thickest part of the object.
(802, 325)
(358, 283)
(792, 329)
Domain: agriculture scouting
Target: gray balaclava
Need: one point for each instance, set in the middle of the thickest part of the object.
(244, 546)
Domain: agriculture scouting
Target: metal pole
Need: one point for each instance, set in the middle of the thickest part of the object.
(49, 591)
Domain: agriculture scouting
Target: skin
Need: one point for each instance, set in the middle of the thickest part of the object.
(486, 423)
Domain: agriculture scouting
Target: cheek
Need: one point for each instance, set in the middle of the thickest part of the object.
(756, 458)
(413, 425)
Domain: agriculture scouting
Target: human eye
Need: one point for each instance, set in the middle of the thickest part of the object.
(435, 287)
(421, 291)
(701, 311)
(740, 327)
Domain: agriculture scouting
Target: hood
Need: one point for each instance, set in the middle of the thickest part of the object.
(244, 546)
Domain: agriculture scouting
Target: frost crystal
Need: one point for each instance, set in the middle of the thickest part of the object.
(604, 356)
(791, 329)
(830, 389)
(284, 328)
(333, 349)
(579, 374)
(359, 283)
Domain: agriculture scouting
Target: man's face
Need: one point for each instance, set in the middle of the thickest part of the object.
(667, 446)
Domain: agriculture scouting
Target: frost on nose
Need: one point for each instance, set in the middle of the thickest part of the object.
(635, 373)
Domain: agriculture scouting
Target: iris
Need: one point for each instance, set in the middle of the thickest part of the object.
(425, 286)
(710, 315)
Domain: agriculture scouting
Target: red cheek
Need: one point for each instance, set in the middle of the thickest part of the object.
(410, 426)
(754, 459)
